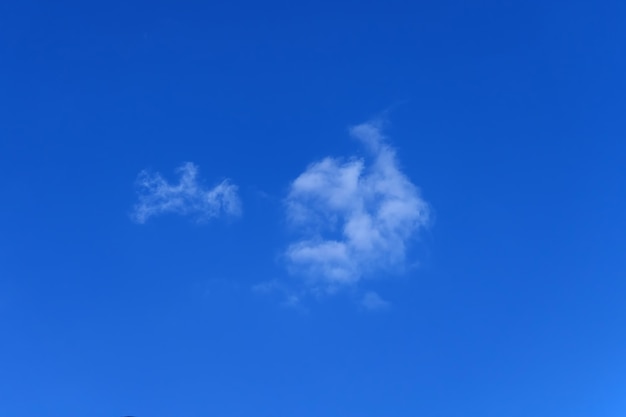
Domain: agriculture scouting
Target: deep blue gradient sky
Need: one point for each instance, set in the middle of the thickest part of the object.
(509, 116)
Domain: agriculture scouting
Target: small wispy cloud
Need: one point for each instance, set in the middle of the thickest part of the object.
(373, 301)
(188, 197)
(355, 216)
(289, 298)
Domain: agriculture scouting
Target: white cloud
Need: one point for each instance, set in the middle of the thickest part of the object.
(355, 216)
(372, 301)
(157, 196)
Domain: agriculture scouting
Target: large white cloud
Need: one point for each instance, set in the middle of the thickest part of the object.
(189, 197)
(355, 216)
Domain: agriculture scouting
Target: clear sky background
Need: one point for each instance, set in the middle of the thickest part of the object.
(497, 288)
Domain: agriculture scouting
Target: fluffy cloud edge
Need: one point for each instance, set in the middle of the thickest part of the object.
(355, 216)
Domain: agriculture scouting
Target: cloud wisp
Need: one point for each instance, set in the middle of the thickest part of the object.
(373, 301)
(355, 216)
(157, 196)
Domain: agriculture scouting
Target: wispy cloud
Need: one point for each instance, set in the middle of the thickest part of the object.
(188, 197)
(289, 298)
(355, 216)
(373, 301)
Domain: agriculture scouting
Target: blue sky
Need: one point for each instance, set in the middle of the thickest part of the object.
(313, 209)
